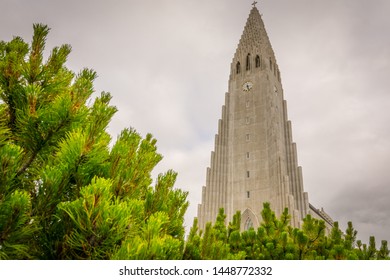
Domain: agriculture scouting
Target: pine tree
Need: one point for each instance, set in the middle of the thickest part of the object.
(314, 230)
(64, 192)
(214, 243)
(371, 252)
(383, 253)
(192, 247)
(234, 234)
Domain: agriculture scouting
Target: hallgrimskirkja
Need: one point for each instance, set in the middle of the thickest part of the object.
(255, 159)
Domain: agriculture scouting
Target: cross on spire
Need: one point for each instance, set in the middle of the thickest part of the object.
(254, 3)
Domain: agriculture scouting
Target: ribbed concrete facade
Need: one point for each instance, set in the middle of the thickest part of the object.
(255, 158)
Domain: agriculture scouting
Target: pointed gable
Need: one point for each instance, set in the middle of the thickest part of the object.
(254, 44)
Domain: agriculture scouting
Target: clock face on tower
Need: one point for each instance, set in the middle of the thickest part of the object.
(247, 86)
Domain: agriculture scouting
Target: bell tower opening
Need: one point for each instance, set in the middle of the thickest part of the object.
(257, 61)
(248, 62)
(238, 68)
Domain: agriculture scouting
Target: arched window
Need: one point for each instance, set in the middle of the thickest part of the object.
(248, 62)
(257, 61)
(238, 68)
(248, 224)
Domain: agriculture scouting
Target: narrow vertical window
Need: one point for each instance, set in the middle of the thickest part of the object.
(238, 68)
(248, 194)
(248, 62)
(247, 155)
(248, 174)
(247, 137)
(257, 61)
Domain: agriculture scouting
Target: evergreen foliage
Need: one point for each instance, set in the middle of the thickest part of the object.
(64, 193)
(275, 239)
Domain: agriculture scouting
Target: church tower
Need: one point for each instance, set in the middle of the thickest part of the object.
(255, 159)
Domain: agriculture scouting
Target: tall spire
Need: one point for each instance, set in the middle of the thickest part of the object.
(254, 160)
(254, 38)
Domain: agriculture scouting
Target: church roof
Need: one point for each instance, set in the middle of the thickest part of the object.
(254, 38)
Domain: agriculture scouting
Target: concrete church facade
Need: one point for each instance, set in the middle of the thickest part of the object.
(254, 159)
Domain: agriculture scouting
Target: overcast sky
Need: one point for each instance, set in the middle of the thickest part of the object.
(166, 63)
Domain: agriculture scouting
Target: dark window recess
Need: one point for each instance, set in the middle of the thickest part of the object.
(248, 62)
(257, 61)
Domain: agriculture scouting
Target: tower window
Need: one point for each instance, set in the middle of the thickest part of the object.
(248, 194)
(257, 61)
(247, 120)
(248, 62)
(247, 137)
(238, 68)
(247, 155)
(270, 63)
(248, 174)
